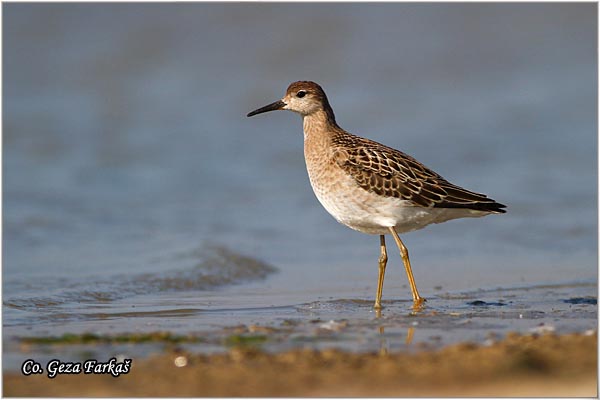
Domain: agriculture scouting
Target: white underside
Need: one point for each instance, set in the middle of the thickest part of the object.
(370, 213)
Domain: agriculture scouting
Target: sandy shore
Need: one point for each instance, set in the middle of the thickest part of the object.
(547, 365)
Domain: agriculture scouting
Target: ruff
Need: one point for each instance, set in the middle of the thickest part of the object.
(370, 187)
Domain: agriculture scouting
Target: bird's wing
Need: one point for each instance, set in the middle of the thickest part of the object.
(389, 172)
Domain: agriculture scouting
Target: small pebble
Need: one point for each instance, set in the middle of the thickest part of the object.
(121, 358)
(542, 329)
(180, 361)
(333, 325)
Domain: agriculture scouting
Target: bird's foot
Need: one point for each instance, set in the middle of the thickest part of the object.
(418, 304)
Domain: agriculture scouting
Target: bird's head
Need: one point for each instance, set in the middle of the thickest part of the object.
(302, 97)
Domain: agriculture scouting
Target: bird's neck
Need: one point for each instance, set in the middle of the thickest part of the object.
(319, 131)
(319, 125)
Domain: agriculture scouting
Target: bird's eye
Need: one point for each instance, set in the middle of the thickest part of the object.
(301, 93)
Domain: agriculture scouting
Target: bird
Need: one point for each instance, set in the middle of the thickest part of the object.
(370, 187)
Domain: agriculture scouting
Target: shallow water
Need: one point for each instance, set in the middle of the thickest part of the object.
(347, 323)
(138, 196)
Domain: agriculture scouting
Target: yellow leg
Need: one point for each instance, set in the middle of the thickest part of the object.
(411, 280)
(382, 263)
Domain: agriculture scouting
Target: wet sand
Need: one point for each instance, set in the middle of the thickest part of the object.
(520, 365)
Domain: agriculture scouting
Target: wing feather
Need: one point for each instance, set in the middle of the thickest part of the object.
(389, 172)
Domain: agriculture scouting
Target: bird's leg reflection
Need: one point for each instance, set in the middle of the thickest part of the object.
(383, 344)
(409, 335)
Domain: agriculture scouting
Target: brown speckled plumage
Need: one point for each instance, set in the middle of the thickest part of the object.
(370, 187)
(389, 172)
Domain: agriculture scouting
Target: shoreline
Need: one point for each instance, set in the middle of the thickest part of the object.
(546, 365)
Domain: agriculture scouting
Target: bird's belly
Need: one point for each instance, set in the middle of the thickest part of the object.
(369, 212)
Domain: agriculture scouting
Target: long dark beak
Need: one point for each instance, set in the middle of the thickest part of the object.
(278, 105)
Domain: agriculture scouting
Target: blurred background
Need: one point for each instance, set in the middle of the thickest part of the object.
(130, 168)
